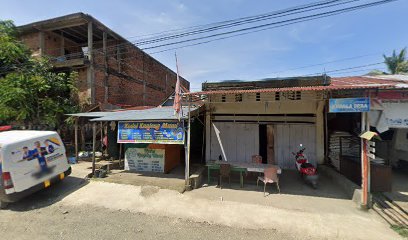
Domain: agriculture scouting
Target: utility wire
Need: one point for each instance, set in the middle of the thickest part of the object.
(276, 14)
(164, 33)
(338, 70)
(262, 27)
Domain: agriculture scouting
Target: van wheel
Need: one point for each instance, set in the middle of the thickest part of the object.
(3, 205)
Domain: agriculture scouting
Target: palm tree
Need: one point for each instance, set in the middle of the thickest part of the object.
(395, 60)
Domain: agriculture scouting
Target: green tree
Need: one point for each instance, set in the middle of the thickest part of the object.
(30, 91)
(375, 72)
(403, 68)
(396, 62)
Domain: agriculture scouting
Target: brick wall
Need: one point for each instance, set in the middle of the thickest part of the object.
(139, 68)
(32, 41)
(137, 79)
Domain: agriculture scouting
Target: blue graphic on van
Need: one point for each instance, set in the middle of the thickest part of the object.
(39, 153)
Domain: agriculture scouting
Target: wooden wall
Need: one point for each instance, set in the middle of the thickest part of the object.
(239, 140)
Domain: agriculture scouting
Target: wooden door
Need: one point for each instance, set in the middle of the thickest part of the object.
(270, 139)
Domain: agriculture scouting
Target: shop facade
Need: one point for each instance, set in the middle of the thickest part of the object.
(271, 124)
(271, 118)
(151, 140)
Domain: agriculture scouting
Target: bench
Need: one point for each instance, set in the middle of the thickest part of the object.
(197, 178)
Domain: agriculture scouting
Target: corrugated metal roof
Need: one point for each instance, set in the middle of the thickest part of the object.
(90, 114)
(342, 83)
(158, 113)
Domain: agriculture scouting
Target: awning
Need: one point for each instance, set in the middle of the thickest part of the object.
(90, 114)
(152, 114)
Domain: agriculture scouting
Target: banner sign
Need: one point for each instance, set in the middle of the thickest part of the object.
(387, 114)
(144, 159)
(339, 105)
(151, 132)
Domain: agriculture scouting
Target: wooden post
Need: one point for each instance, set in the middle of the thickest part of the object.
(187, 170)
(326, 134)
(76, 139)
(93, 147)
(208, 133)
(120, 154)
(101, 125)
(320, 132)
(365, 163)
(83, 127)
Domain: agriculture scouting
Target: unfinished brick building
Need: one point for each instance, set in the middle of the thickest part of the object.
(112, 71)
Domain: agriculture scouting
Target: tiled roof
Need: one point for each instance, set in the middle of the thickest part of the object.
(340, 83)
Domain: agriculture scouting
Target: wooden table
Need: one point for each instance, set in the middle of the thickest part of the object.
(240, 167)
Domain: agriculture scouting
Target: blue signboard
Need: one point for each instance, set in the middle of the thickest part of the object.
(349, 105)
(151, 132)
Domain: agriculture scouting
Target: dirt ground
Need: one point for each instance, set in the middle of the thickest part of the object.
(79, 209)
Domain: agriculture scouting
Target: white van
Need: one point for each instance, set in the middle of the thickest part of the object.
(30, 161)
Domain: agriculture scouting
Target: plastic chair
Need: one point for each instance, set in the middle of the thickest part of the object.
(225, 171)
(256, 159)
(270, 176)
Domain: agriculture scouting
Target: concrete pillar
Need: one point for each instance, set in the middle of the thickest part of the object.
(90, 70)
(90, 41)
(119, 58)
(320, 132)
(208, 134)
(165, 85)
(144, 81)
(62, 46)
(105, 57)
(41, 43)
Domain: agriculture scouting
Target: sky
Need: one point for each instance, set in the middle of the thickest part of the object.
(330, 44)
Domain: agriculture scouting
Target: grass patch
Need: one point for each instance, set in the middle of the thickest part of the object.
(401, 230)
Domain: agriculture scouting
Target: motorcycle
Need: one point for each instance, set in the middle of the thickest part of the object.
(307, 170)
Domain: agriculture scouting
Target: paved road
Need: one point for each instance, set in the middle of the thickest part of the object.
(44, 216)
(78, 209)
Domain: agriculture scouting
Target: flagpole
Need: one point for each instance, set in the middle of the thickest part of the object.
(177, 98)
(178, 109)
(188, 146)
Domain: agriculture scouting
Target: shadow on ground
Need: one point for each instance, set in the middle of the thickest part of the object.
(290, 183)
(172, 181)
(49, 196)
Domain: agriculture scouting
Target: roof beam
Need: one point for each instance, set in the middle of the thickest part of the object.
(72, 37)
(81, 35)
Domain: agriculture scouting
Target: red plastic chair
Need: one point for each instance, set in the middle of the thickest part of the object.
(270, 176)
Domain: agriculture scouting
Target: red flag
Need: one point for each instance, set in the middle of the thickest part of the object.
(177, 95)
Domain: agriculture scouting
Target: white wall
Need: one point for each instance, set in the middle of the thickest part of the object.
(288, 137)
(310, 103)
(239, 140)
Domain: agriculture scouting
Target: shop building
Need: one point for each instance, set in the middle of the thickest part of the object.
(112, 71)
(272, 117)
